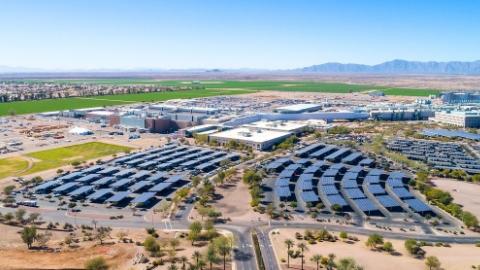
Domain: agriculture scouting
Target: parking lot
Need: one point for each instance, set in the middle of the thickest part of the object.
(135, 181)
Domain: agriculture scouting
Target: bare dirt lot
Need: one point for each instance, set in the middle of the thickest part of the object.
(464, 193)
(119, 255)
(15, 255)
(235, 202)
(456, 257)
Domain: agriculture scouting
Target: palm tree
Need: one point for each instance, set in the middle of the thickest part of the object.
(317, 258)
(196, 256)
(330, 261)
(184, 261)
(211, 256)
(289, 243)
(303, 247)
(224, 248)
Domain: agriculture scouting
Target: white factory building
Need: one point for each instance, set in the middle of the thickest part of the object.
(299, 108)
(294, 127)
(466, 119)
(259, 139)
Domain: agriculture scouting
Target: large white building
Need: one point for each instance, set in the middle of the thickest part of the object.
(466, 119)
(299, 108)
(287, 126)
(259, 139)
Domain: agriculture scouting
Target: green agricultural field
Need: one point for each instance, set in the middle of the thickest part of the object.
(290, 86)
(325, 87)
(293, 86)
(210, 88)
(57, 157)
(12, 166)
(37, 106)
(413, 92)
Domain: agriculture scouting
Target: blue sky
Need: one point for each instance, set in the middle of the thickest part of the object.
(234, 33)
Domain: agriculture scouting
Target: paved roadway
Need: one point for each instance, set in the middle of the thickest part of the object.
(244, 255)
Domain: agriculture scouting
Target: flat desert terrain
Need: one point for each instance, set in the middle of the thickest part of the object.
(464, 193)
(456, 257)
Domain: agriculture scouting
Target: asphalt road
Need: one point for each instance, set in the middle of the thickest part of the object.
(244, 254)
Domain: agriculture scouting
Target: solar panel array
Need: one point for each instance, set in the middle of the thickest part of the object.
(277, 164)
(306, 151)
(437, 155)
(451, 134)
(350, 179)
(418, 206)
(338, 155)
(125, 179)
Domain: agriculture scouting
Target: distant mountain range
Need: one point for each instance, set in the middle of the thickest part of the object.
(400, 67)
(397, 67)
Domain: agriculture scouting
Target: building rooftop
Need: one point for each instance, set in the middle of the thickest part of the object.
(249, 134)
(299, 108)
(460, 113)
(277, 125)
(102, 113)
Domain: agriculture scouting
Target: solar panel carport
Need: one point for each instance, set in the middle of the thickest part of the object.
(283, 193)
(65, 188)
(352, 158)
(81, 192)
(402, 193)
(46, 187)
(70, 177)
(139, 186)
(355, 193)
(144, 200)
(309, 196)
(124, 173)
(337, 199)
(157, 177)
(322, 153)
(100, 195)
(93, 169)
(376, 189)
(304, 152)
(122, 184)
(140, 175)
(147, 165)
(109, 171)
(312, 169)
(105, 181)
(88, 178)
(163, 187)
(418, 206)
(119, 197)
(305, 183)
(388, 202)
(282, 182)
(329, 189)
(338, 155)
(326, 180)
(367, 206)
(367, 162)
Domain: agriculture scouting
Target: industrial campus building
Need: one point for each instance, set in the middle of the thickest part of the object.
(466, 119)
(259, 139)
(461, 97)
